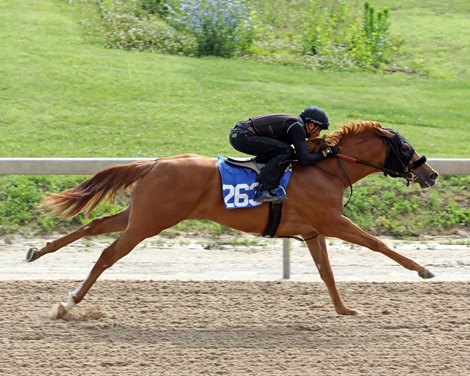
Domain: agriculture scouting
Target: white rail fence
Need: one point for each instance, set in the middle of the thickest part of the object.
(87, 166)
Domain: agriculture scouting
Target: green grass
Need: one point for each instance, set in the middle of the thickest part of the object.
(435, 35)
(56, 90)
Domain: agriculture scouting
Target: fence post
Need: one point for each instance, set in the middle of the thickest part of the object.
(286, 258)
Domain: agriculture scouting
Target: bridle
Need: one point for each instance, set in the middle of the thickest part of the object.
(397, 161)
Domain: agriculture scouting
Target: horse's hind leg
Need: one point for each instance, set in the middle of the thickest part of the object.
(121, 247)
(319, 252)
(102, 225)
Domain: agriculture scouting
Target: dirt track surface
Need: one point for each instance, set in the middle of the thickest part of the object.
(235, 328)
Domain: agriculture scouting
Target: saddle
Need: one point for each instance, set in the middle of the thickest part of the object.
(275, 209)
(245, 162)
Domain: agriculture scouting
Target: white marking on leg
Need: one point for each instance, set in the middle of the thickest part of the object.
(70, 302)
(72, 294)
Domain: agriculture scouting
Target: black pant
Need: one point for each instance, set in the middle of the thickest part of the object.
(275, 153)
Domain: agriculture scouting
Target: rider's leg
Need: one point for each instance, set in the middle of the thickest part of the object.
(275, 153)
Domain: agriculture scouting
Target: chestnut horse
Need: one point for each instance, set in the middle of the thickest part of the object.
(169, 190)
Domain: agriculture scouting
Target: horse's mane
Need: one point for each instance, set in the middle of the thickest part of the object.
(335, 138)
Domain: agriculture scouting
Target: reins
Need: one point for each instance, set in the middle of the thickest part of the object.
(346, 176)
(360, 161)
(406, 174)
(406, 168)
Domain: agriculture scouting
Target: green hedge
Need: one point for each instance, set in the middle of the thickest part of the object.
(20, 196)
(389, 207)
(382, 206)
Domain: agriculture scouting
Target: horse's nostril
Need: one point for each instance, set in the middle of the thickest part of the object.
(433, 176)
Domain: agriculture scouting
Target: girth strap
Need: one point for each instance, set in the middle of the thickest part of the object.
(275, 212)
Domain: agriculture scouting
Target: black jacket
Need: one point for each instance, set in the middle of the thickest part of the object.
(289, 129)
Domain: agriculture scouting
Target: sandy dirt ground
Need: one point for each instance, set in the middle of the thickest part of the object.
(236, 328)
(138, 320)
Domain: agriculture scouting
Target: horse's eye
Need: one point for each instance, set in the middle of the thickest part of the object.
(405, 148)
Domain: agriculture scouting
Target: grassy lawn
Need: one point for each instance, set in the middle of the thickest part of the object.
(63, 97)
(435, 35)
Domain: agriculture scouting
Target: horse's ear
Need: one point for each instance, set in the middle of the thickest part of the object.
(384, 132)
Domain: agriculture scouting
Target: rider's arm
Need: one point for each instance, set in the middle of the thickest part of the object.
(297, 135)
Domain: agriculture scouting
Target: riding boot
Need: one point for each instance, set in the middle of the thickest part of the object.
(267, 195)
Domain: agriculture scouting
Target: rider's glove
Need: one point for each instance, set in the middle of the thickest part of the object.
(330, 151)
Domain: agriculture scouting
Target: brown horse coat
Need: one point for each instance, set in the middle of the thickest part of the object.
(169, 190)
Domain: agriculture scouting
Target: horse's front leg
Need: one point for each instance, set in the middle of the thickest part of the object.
(346, 230)
(319, 252)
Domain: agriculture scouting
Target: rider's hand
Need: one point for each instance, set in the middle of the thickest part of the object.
(330, 151)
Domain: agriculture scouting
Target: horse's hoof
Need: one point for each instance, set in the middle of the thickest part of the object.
(32, 254)
(426, 274)
(348, 311)
(57, 311)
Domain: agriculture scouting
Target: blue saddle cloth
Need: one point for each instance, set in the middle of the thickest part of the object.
(239, 185)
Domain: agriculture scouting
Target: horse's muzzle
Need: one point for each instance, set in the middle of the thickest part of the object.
(424, 175)
(428, 180)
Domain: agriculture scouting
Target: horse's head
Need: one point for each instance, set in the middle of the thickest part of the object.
(401, 159)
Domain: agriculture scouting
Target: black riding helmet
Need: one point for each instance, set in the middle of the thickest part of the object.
(315, 115)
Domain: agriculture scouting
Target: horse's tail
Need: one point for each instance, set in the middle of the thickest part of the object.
(88, 194)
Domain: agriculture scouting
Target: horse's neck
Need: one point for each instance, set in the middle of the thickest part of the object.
(371, 151)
